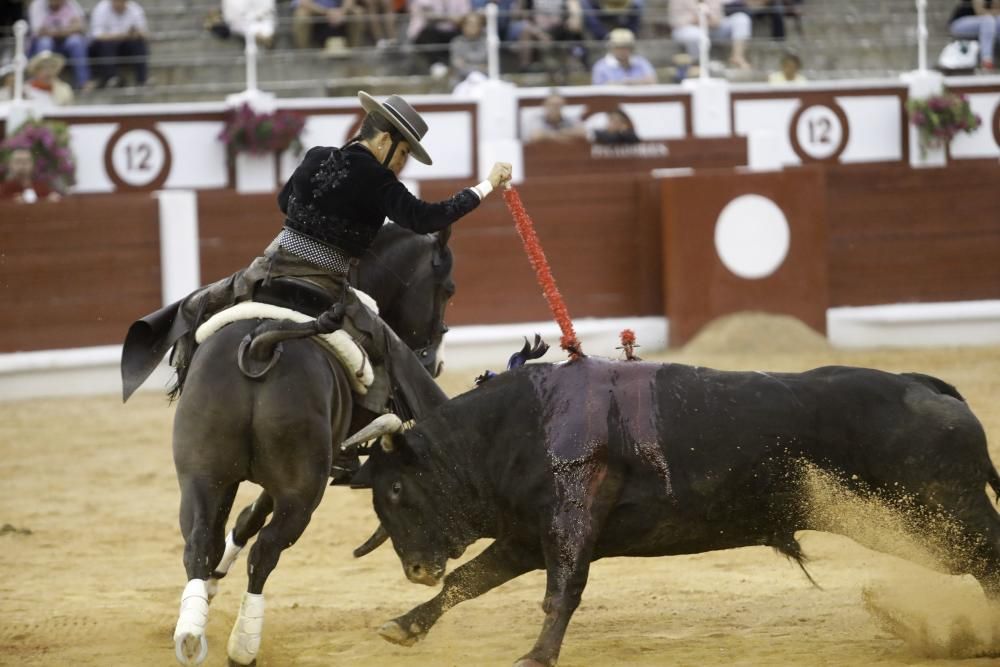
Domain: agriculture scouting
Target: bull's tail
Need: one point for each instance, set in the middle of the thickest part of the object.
(936, 384)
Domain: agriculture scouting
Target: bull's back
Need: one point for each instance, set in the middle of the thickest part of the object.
(728, 443)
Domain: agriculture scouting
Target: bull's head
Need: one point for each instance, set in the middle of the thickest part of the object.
(414, 505)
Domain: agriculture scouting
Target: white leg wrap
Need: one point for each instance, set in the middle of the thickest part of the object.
(190, 630)
(229, 556)
(244, 641)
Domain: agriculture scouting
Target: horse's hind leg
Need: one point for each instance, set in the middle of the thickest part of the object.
(249, 522)
(204, 507)
(292, 512)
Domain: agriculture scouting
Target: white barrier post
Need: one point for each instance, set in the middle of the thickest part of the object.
(180, 262)
(709, 97)
(923, 83)
(922, 35)
(492, 42)
(704, 43)
(20, 109)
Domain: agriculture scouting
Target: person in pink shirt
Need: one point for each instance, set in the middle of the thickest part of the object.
(60, 26)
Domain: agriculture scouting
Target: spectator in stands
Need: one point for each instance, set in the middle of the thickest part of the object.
(118, 30)
(603, 16)
(20, 184)
(317, 22)
(506, 11)
(468, 50)
(621, 65)
(978, 19)
(548, 21)
(735, 28)
(381, 21)
(619, 129)
(60, 26)
(553, 124)
(790, 72)
(435, 23)
(774, 11)
(44, 86)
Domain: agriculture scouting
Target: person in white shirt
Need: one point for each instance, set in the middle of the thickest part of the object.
(119, 33)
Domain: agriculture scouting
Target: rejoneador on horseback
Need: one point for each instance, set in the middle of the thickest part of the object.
(260, 397)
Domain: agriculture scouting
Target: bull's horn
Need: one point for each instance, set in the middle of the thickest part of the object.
(387, 423)
(372, 543)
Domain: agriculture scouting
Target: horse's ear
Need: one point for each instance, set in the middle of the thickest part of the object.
(443, 236)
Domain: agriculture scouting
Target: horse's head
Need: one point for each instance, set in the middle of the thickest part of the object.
(409, 275)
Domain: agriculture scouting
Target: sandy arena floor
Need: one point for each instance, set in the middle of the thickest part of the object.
(91, 572)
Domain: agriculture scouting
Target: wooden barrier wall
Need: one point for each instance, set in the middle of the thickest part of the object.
(898, 235)
(76, 273)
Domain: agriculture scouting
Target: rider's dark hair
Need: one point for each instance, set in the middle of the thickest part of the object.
(372, 125)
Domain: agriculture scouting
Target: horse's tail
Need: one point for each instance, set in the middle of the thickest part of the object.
(260, 349)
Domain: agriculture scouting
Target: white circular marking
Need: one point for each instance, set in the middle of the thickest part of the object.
(752, 236)
(138, 157)
(819, 132)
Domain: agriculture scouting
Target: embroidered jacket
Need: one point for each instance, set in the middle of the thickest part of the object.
(341, 197)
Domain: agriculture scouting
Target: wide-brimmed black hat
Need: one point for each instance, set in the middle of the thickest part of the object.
(404, 118)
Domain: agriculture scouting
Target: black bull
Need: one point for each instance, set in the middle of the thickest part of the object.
(565, 464)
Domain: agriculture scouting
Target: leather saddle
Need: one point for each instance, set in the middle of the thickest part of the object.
(294, 293)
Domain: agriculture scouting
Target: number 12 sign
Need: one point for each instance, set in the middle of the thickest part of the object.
(818, 132)
(139, 158)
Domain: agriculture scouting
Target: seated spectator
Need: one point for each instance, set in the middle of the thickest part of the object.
(978, 19)
(316, 22)
(118, 30)
(59, 26)
(506, 11)
(790, 72)
(548, 21)
(774, 11)
(435, 23)
(20, 184)
(381, 15)
(621, 66)
(619, 130)
(603, 16)
(468, 50)
(735, 28)
(44, 85)
(553, 124)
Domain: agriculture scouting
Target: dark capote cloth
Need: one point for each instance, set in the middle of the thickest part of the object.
(341, 197)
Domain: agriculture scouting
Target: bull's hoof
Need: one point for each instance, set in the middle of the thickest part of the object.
(394, 632)
(190, 649)
(531, 662)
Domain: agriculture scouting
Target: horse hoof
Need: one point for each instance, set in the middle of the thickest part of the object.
(394, 632)
(530, 662)
(190, 649)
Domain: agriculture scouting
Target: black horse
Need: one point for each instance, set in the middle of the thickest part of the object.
(282, 431)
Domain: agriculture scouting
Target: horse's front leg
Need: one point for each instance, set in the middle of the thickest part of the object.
(497, 564)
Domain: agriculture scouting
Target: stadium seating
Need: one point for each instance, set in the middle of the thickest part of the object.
(847, 39)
